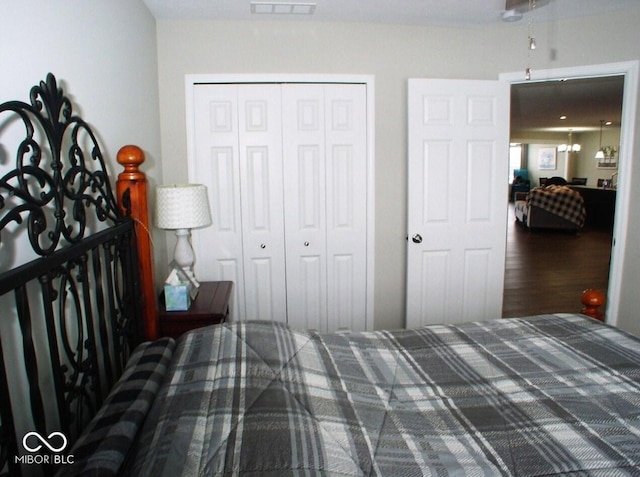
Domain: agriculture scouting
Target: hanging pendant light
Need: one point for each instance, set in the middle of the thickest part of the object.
(570, 146)
(600, 153)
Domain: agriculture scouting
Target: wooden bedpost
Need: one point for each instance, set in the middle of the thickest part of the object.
(593, 299)
(132, 178)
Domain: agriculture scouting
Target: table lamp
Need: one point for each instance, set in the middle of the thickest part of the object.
(182, 207)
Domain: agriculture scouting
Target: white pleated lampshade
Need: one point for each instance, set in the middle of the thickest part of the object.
(182, 206)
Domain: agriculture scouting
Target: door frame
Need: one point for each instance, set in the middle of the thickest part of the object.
(191, 80)
(629, 70)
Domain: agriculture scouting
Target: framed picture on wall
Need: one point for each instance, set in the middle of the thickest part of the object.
(547, 158)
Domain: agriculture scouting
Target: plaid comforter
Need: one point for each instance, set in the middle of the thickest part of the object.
(559, 200)
(549, 395)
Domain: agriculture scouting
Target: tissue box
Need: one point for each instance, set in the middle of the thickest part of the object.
(177, 297)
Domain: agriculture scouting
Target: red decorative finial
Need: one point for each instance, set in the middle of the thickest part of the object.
(592, 299)
(130, 157)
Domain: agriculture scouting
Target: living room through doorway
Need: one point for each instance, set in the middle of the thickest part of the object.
(546, 271)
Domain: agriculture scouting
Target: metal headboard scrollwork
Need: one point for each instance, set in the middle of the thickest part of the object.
(81, 291)
(38, 181)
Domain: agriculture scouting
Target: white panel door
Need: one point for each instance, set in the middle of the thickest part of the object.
(260, 139)
(305, 202)
(457, 210)
(346, 153)
(238, 149)
(325, 162)
(287, 168)
(218, 248)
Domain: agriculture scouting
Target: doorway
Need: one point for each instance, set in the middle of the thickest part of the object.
(630, 73)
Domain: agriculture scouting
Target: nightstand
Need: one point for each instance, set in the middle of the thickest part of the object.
(210, 307)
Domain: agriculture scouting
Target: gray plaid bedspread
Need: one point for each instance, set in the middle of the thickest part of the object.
(559, 200)
(549, 395)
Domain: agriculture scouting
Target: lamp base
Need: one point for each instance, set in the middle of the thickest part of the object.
(183, 254)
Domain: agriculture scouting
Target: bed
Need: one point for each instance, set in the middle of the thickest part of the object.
(543, 395)
(551, 207)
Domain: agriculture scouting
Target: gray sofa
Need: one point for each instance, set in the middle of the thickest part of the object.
(537, 218)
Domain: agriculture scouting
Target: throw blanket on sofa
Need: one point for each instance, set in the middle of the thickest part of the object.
(559, 200)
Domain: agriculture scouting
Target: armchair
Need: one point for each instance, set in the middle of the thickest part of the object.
(520, 182)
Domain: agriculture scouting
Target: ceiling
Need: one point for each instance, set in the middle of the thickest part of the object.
(463, 13)
(538, 106)
(535, 106)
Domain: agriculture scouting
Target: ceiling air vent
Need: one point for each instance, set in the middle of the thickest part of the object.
(283, 8)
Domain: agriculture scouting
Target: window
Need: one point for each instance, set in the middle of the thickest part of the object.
(515, 159)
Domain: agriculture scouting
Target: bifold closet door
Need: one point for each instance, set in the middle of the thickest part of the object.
(238, 146)
(325, 194)
(286, 169)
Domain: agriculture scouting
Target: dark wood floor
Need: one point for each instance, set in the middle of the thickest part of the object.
(546, 271)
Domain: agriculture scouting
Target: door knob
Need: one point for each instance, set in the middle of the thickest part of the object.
(417, 238)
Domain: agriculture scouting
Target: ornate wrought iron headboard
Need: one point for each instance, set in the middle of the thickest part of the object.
(68, 317)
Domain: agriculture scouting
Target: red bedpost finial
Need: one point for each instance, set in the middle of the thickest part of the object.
(130, 157)
(593, 299)
(135, 181)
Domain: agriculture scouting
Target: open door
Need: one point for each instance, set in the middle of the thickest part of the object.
(457, 199)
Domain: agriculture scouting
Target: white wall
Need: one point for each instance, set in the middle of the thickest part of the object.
(103, 54)
(587, 165)
(393, 54)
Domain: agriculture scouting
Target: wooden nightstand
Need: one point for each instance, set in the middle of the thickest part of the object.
(210, 307)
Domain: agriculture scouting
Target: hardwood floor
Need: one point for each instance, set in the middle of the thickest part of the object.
(546, 271)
